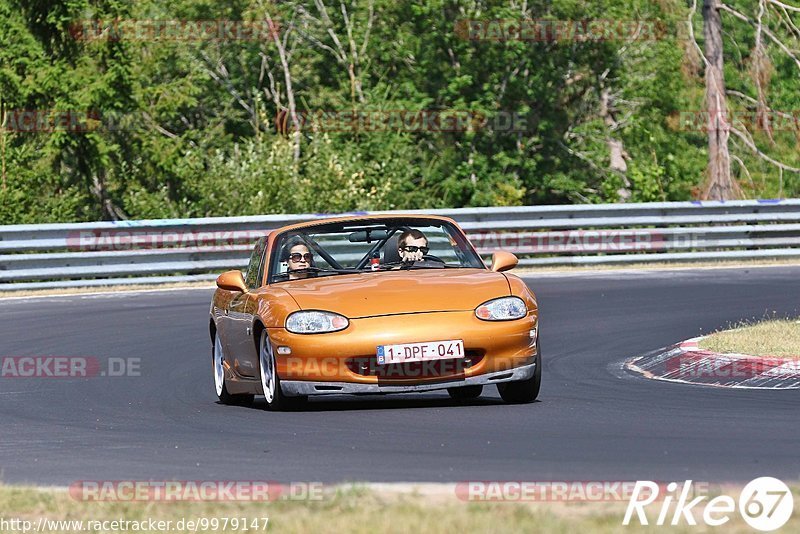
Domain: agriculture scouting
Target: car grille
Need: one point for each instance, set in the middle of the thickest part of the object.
(432, 369)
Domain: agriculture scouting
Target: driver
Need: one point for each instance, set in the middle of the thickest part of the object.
(412, 246)
(298, 256)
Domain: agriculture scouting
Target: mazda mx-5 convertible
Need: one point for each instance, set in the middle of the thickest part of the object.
(371, 305)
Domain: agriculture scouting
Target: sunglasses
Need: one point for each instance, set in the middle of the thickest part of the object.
(296, 257)
(412, 248)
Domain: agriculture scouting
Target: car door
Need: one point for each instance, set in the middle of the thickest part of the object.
(242, 310)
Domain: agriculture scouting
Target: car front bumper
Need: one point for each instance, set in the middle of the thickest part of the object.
(349, 356)
(294, 388)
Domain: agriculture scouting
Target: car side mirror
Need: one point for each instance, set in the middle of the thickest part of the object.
(232, 281)
(503, 261)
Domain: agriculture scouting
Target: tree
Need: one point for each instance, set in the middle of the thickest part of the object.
(720, 184)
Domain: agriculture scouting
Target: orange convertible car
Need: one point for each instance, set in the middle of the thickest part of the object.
(370, 305)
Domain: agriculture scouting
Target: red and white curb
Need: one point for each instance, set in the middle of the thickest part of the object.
(689, 364)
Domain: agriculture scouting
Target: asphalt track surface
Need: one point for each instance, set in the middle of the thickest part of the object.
(592, 422)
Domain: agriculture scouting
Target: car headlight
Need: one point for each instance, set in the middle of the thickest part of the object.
(315, 322)
(502, 309)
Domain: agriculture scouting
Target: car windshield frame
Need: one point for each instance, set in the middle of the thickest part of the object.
(462, 243)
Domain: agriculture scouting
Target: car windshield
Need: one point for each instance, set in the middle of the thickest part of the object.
(367, 246)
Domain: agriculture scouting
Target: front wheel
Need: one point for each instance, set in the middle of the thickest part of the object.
(523, 391)
(270, 382)
(220, 388)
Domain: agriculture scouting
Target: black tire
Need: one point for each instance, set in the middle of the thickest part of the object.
(220, 384)
(524, 391)
(465, 392)
(271, 382)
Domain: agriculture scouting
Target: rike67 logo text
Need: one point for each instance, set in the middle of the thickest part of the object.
(765, 503)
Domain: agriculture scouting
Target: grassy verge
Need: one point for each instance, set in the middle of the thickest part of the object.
(779, 337)
(105, 289)
(351, 510)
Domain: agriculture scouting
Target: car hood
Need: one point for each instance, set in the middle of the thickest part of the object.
(395, 292)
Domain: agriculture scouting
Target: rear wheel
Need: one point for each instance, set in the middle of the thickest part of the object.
(270, 382)
(465, 392)
(220, 388)
(523, 391)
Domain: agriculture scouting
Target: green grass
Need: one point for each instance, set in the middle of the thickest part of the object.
(775, 337)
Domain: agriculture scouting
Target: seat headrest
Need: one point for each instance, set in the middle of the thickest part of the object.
(390, 252)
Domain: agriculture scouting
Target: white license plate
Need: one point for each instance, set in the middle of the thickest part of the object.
(418, 352)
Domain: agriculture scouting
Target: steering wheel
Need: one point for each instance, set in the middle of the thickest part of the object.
(431, 257)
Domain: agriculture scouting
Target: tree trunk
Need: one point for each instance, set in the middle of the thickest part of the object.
(287, 76)
(3, 140)
(110, 210)
(616, 148)
(720, 184)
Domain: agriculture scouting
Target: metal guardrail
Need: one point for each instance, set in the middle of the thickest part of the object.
(177, 250)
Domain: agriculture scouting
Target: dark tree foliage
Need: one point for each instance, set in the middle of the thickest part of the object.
(454, 109)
